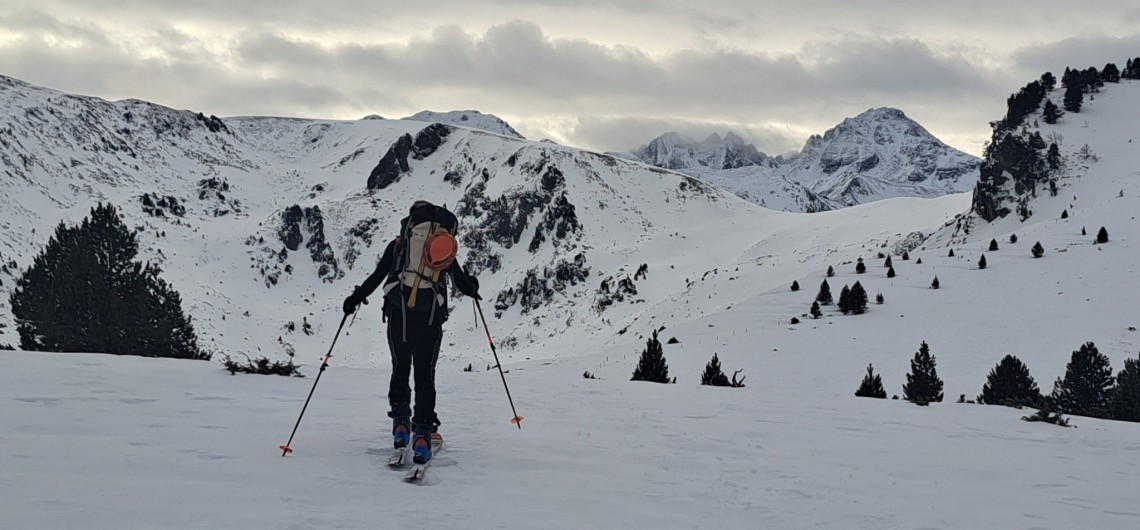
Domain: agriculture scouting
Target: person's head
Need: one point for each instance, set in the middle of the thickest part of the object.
(421, 204)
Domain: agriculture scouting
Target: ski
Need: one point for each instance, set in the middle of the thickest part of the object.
(417, 472)
(398, 457)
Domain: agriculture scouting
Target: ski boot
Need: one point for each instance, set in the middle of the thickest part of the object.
(421, 449)
(400, 434)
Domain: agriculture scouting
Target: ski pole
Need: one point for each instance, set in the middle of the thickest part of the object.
(517, 420)
(285, 449)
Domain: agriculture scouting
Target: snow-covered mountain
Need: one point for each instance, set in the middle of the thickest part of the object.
(792, 449)
(265, 224)
(878, 154)
(670, 151)
(471, 119)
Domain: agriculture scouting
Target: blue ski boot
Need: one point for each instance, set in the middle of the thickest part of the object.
(400, 434)
(421, 449)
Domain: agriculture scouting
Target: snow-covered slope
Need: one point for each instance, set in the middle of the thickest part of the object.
(472, 119)
(792, 449)
(878, 154)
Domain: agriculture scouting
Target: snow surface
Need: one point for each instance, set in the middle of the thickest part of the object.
(471, 119)
(97, 441)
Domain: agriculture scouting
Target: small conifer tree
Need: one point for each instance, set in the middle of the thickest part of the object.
(891, 272)
(982, 262)
(934, 284)
(872, 385)
(830, 271)
(1013, 238)
(713, 375)
(887, 263)
(1065, 214)
(652, 365)
(795, 285)
(1037, 250)
(1102, 236)
(879, 299)
(845, 300)
(824, 296)
(993, 245)
(815, 310)
(918, 262)
(858, 299)
(1126, 395)
(950, 254)
(1010, 384)
(85, 293)
(923, 385)
(1086, 389)
(1084, 232)
(860, 268)
(906, 256)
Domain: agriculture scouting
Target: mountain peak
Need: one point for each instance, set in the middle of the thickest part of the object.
(471, 119)
(672, 151)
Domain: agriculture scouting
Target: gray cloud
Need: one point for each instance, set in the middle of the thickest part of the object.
(348, 58)
(1078, 52)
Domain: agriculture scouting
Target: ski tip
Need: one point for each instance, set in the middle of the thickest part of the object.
(285, 449)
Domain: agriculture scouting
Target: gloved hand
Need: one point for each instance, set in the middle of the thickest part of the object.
(351, 303)
(475, 289)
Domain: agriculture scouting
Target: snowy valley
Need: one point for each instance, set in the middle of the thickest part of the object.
(264, 225)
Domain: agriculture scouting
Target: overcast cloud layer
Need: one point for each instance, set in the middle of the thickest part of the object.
(605, 75)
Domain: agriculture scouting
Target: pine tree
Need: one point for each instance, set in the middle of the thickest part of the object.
(906, 256)
(84, 293)
(1074, 97)
(824, 296)
(1013, 239)
(795, 285)
(713, 375)
(1010, 384)
(887, 263)
(1065, 213)
(891, 272)
(1037, 250)
(922, 383)
(1053, 157)
(830, 271)
(879, 299)
(982, 262)
(845, 300)
(1110, 73)
(993, 245)
(1052, 113)
(950, 254)
(1102, 236)
(1048, 81)
(934, 284)
(918, 262)
(652, 366)
(858, 299)
(860, 268)
(872, 385)
(1126, 395)
(1087, 386)
(815, 310)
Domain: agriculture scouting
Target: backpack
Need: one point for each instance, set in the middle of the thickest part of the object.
(426, 247)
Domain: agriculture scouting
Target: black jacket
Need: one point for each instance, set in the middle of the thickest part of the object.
(467, 284)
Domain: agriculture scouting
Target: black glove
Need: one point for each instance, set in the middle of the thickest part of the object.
(352, 302)
(475, 288)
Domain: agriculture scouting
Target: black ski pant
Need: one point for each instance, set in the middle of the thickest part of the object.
(415, 349)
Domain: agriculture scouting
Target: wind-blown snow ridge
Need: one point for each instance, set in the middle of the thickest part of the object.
(468, 118)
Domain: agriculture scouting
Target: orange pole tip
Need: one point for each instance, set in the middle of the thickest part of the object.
(285, 448)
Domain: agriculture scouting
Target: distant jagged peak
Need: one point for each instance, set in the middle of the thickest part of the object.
(472, 119)
(674, 151)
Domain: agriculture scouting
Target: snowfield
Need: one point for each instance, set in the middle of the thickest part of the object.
(97, 441)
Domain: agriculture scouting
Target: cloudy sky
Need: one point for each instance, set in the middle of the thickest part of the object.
(599, 74)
